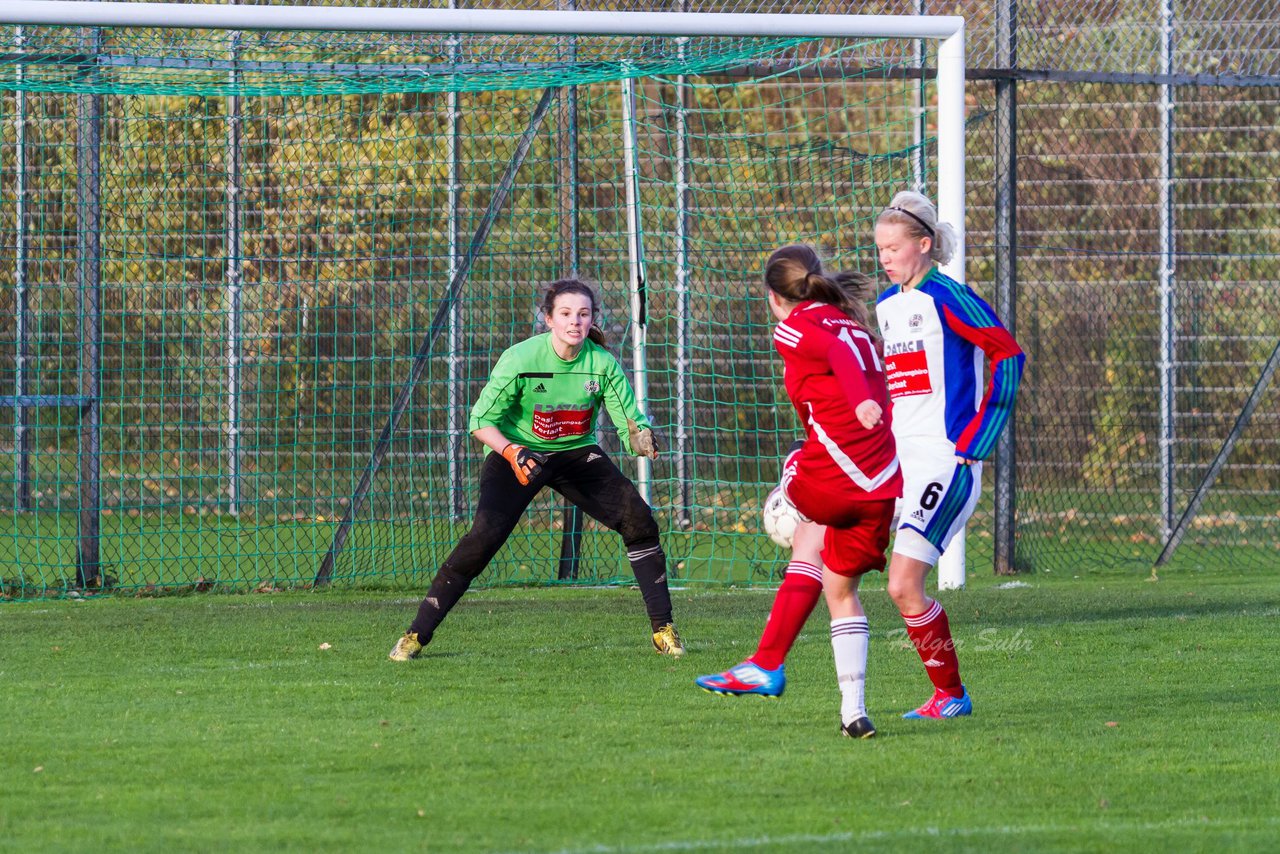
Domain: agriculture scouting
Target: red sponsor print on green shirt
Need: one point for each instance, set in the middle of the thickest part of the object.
(554, 424)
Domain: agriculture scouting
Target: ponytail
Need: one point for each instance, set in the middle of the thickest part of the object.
(825, 290)
(859, 289)
(795, 273)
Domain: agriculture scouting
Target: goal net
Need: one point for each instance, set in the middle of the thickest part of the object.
(260, 273)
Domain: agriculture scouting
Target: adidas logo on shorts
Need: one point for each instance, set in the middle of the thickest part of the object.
(540, 388)
(593, 456)
(918, 516)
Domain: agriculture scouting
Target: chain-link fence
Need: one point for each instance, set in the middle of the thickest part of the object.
(1122, 165)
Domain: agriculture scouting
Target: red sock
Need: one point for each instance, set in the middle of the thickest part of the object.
(931, 633)
(801, 587)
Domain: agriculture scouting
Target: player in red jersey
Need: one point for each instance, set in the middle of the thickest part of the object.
(844, 478)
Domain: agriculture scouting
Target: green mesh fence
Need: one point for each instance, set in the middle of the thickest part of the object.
(277, 219)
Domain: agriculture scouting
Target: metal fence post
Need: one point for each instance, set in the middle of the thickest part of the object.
(1167, 275)
(567, 213)
(233, 282)
(919, 116)
(22, 298)
(684, 512)
(89, 325)
(1006, 267)
(457, 415)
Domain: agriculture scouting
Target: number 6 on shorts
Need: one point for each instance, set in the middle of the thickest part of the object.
(936, 503)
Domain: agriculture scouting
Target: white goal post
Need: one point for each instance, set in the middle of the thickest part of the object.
(947, 30)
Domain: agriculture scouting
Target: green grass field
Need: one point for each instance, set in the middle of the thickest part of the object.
(1112, 713)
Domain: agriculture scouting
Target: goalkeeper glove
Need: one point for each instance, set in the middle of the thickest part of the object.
(525, 463)
(643, 442)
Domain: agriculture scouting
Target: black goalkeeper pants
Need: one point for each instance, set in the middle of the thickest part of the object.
(585, 476)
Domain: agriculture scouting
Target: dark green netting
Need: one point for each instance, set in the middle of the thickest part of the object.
(185, 62)
(269, 263)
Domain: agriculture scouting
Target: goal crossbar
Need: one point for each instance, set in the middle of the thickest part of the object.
(359, 19)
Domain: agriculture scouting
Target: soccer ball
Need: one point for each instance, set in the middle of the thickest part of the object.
(780, 517)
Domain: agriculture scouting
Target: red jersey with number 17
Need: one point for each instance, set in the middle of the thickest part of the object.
(839, 456)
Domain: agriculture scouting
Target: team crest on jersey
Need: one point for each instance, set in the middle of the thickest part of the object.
(591, 387)
(915, 321)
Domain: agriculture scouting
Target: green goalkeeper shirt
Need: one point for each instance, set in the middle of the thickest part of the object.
(544, 402)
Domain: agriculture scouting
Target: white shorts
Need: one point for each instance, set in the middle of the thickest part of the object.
(938, 497)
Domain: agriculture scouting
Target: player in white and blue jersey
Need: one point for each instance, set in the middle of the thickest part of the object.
(937, 334)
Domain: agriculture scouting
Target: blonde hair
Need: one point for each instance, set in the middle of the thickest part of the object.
(917, 214)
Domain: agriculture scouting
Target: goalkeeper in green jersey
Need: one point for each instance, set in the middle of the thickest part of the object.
(538, 414)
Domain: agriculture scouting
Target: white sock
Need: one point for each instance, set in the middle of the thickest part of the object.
(850, 637)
